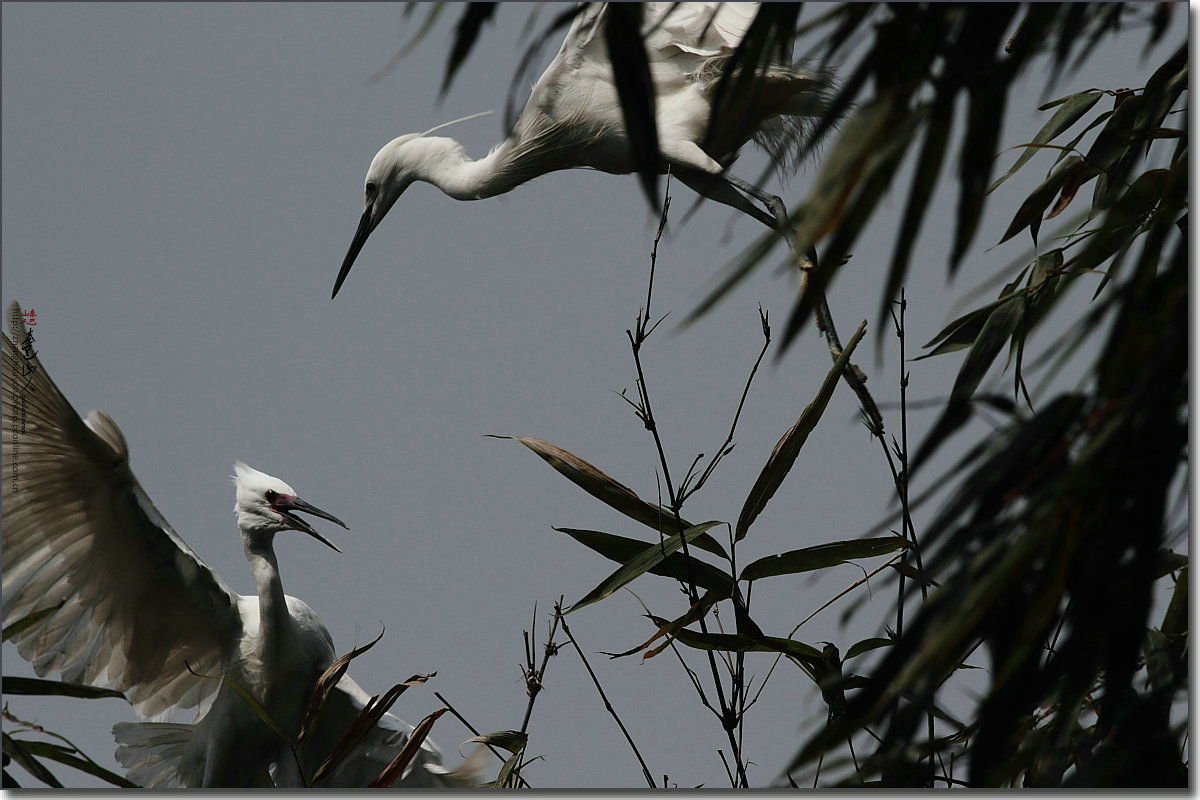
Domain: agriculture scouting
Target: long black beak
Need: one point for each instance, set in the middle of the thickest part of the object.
(285, 507)
(360, 238)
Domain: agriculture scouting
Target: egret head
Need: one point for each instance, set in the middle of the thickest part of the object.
(390, 173)
(265, 506)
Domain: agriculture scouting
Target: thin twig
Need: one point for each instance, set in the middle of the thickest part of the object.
(567, 631)
(824, 606)
(728, 713)
(534, 675)
(726, 446)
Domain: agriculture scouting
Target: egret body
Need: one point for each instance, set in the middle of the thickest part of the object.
(573, 119)
(132, 607)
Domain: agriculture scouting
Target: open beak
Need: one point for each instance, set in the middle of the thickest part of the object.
(360, 238)
(285, 507)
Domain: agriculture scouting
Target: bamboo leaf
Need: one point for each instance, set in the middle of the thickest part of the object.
(257, 707)
(512, 741)
(963, 331)
(821, 556)
(609, 491)
(694, 613)
(1000, 325)
(465, 34)
(788, 448)
(635, 90)
(71, 757)
(1029, 215)
(362, 725)
(621, 550)
(324, 685)
(506, 771)
(1175, 619)
(808, 655)
(27, 622)
(643, 562)
(1070, 109)
(867, 645)
(47, 688)
(1158, 659)
(393, 771)
(15, 749)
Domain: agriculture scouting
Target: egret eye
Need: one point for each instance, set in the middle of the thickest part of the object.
(271, 495)
(371, 189)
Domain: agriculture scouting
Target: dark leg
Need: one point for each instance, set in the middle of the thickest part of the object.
(855, 377)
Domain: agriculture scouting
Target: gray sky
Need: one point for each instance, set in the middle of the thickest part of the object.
(180, 183)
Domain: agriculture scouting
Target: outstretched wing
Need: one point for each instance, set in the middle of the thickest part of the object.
(119, 599)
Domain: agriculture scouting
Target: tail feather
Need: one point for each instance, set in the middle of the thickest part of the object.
(152, 752)
(787, 138)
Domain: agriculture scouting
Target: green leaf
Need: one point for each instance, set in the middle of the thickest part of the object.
(15, 749)
(506, 771)
(512, 741)
(788, 448)
(46, 688)
(1169, 561)
(1071, 108)
(808, 655)
(465, 34)
(257, 707)
(1029, 215)
(623, 550)
(866, 645)
(963, 331)
(1158, 659)
(635, 90)
(995, 333)
(71, 758)
(1175, 619)
(929, 166)
(609, 491)
(645, 561)
(821, 556)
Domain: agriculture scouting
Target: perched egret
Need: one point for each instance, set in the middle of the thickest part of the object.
(124, 602)
(573, 119)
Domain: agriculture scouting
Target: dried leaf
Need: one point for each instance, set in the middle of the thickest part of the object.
(324, 685)
(393, 771)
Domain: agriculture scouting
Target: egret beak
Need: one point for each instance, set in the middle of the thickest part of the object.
(284, 506)
(360, 238)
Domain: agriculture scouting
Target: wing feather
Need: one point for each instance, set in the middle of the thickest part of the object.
(137, 605)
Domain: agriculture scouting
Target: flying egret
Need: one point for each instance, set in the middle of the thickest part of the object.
(125, 603)
(573, 119)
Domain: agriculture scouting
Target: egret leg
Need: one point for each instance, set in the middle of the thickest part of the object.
(704, 175)
(715, 187)
(727, 188)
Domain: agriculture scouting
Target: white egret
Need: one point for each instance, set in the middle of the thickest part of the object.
(126, 603)
(573, 119)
